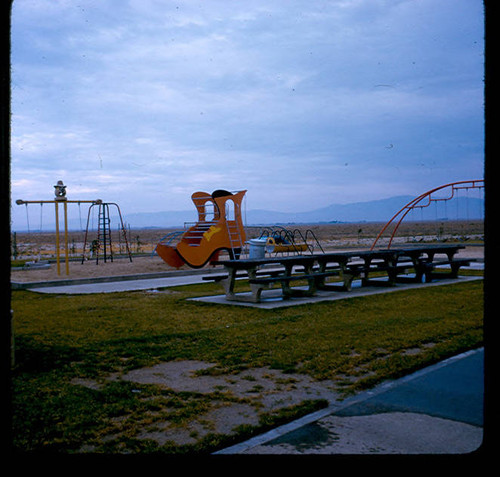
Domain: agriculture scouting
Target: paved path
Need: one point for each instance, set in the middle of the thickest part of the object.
(438, 410)
(121, 285)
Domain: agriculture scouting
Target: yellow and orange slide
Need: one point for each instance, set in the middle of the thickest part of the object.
(219, 227)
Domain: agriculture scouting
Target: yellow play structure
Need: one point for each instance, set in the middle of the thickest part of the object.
(219, 227)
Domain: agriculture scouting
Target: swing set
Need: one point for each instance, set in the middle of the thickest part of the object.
(425, 200)
(61, 199)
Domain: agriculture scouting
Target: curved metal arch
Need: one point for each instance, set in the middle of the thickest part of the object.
(415, 203)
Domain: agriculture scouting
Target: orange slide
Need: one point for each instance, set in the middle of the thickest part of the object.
(219, 227)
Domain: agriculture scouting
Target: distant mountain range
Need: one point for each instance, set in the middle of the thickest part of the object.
(371, 211)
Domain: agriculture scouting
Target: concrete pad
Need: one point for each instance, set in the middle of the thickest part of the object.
(271, 299)
(121, 285)
(388, 433)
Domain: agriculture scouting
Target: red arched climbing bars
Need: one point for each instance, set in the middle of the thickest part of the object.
(474, 184)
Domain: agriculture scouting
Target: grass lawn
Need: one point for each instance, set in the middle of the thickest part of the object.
(355, 343)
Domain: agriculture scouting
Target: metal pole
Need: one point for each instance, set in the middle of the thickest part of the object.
(104, 207)
(66, 236)
(57, 238)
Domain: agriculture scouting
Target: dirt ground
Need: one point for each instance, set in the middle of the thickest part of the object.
(259, 390)
(41, 247)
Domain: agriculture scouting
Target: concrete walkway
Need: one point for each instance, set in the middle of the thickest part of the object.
(131, 283)
(272, 299)
(120, 285)
(438, 410)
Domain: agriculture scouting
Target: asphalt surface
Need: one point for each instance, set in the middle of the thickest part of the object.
(438, 410)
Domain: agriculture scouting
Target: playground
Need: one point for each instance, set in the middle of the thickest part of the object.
(335, 236)
(220, 232)
(160, 370)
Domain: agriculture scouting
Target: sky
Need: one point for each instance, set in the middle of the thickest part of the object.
(301, 103)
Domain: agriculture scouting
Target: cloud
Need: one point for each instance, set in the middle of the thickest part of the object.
(148, 101)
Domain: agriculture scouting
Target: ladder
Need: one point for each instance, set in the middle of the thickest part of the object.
(234, 233)
(232, 240)
(104, 233)
(103, 244)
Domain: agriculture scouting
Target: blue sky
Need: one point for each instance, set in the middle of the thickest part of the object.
(302, 103)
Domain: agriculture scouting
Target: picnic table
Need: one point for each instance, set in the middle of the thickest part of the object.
(314, 271)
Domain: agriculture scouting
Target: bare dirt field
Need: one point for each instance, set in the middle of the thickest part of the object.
(259, 389)
(37, 247)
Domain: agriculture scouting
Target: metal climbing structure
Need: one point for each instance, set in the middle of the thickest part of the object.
(102, 245)
(287, 242)
(425, 200)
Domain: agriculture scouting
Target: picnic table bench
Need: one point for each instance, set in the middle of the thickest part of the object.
(315, 270)
(422, 260)
(217, 277)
